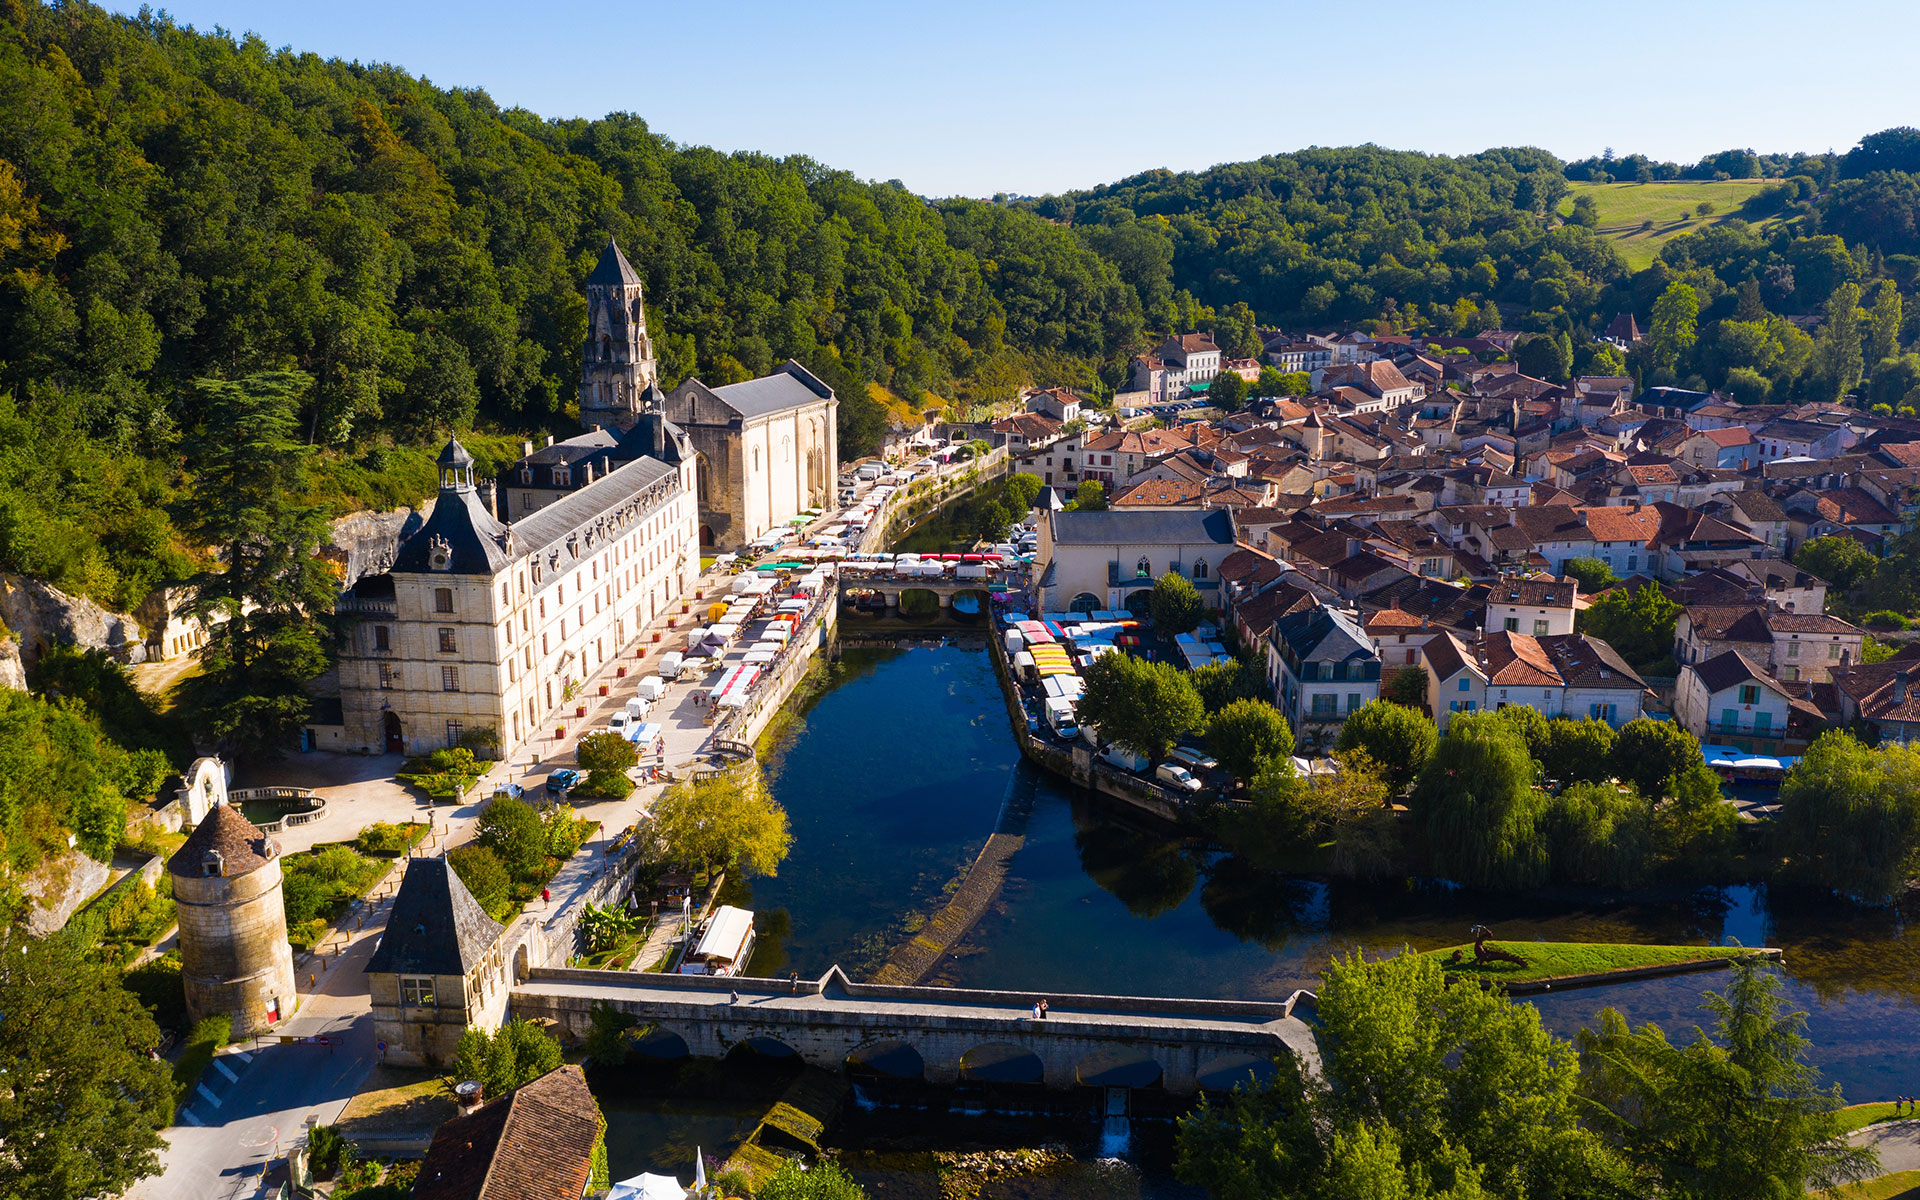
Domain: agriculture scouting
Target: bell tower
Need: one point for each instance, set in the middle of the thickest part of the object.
(617, 361)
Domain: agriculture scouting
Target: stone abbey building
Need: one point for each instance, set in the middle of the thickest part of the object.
(492, 613)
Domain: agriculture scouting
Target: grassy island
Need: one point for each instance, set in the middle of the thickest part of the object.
(1557, 960)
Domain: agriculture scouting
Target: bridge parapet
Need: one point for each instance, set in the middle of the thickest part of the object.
(826, 1020)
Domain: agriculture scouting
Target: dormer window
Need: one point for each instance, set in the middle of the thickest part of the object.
(562, 477)
(526, 476)
(213, 865)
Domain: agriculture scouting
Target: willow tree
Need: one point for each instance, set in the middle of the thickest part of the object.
(1477, 802)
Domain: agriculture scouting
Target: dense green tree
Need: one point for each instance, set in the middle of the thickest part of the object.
(1598, 834)
(514, 1056)
(1638, 624)
(1425, 1091)
(1022, 490)
(1407, 686)
(1838, 358)
(1649, 754)
(483, 874)
(1247, 733)
(1850, 816)
(83, 1105)
(1842, 562)
(1145, 706)
(1228, 392)
(1176, 605)
(1884, 318)
(1220, 683)
(1592, 574)
(1090, 496)
(1398, 739)
(267, 602)
(1576, 751)
(1674, 327)
(512, 830)
(1736, 1114)
(1476, 800)
(728, 820)
(1544, 356)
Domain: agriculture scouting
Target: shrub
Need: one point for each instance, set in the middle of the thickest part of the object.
(384, 838)
(325, 1148)
(1885, 618)
(481, 870)
(156, 985)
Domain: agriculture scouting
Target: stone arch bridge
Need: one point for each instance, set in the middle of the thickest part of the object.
(830, 1020)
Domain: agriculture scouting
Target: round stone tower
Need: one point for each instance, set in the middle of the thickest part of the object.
(234, 957)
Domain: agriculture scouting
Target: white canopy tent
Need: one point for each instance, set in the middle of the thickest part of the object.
(648, 1187)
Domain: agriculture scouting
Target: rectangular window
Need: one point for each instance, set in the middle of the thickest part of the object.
(386, 676)
(416, 991)
(1633, 562)
(446, 641)
(1749, 693)
(1833, 649)
(449, 679)
(1353, 702)
(455, 730)
(1466, 684)
(1323, 704)
(382, 638)
(1511, 624)
(1793, 649)
(1539, 628)
(443, 599)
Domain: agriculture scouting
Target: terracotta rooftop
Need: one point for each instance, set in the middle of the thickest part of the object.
(534, 1143)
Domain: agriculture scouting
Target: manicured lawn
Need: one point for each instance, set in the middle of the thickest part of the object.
(1859, 1116)
(1552, 960)
(1901, 1185)
(1624, 207)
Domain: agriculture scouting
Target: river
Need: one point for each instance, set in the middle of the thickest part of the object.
(900, 768)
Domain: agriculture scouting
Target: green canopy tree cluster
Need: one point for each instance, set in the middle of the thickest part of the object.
(1146, 706)
(1850, 816)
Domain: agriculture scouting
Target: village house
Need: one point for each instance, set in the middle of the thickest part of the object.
(1731, 700)
(1456, 682)
(1321, 667)
(1791, 646)
(1103, 560)
(1535, 605)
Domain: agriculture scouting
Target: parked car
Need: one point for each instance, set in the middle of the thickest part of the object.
(562, 781)
(1176, 776)
(511, 791)
(1193, 760)
(621, 723)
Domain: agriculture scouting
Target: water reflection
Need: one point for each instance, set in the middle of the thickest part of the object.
(901, 769)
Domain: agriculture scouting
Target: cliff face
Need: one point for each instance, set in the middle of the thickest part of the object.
(364, 542)
(58, 887)
(42, 616)
(13, 672)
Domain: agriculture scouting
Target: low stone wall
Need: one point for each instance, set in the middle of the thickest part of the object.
(1657, 971)
(316, 806)
(547, 941)
(769, 694)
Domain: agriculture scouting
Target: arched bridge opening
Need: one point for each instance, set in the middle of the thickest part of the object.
(1001, 1063)
(890, 1058)
(1118, 1067)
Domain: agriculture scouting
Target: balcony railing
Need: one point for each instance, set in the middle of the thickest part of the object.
(375, 606)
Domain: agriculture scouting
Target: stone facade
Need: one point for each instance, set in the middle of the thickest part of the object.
(481, 625)
(441, 967)
(234, 956)
(617, 362)
(769, 449)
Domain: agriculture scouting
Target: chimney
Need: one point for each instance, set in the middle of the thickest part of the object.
(526, 448)
(468, 1095)
(549, 439)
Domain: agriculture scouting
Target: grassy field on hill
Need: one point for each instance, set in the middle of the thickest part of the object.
(1672, 207)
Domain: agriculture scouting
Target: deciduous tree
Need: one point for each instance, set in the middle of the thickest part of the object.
(1145, 706)
(512, 830)
(1675, 322)
(1850, 816)
(1398, 738)
(83, 1103)
(1247, 733)
(1476, 800)
(727, 820)
(1176, 605)
(519, 1053)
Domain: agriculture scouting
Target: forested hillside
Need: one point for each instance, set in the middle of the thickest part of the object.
(177, 205)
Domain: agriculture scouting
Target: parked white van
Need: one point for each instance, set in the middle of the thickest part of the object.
(652, 688)
(670, 664)
(1177, 776)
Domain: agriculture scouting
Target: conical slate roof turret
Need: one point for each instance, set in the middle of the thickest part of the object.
(225, 844)
(613, 269)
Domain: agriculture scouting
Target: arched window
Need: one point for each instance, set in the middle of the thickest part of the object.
(606, 346)
(1143, 568)
(638, 313)
(1085, 602)
(1199, 568)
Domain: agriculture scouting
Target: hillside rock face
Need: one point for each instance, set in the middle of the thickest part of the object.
(57, 888)
(13, 672)
(364, 543)
(42, 616)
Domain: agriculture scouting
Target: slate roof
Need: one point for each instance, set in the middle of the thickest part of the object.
(477, 540)
(240, 844)
(1143, 527)
(1323, 634)
(613, 269)
(1583, 661)
(550, 525)
(436, 927)
(1534, 592)
(534, 1143)
(1731, 668)
(790, 386)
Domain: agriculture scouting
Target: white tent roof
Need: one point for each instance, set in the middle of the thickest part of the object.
(648, 1187)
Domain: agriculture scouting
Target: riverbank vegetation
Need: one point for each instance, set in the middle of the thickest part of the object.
(726, 821)
(1559, 960)
(1432, 1090)
(515, 851)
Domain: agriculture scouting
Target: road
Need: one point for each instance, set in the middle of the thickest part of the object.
(1897, 1141)
(257, 1098)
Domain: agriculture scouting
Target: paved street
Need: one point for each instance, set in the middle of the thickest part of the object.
(266, 1090)
(1897, 1141)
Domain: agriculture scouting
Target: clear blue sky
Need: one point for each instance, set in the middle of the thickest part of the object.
(987, 96)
